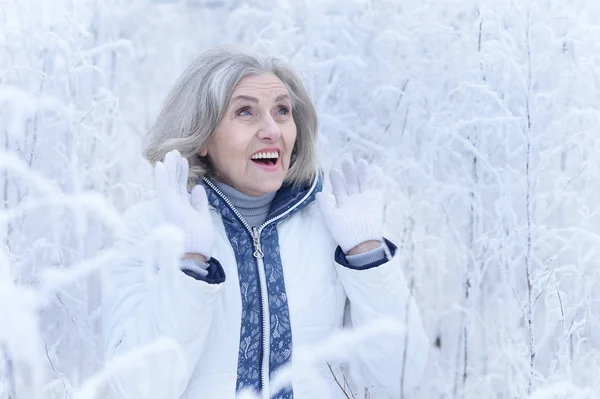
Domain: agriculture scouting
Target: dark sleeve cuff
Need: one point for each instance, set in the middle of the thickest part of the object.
(216, 274)
(340, 257)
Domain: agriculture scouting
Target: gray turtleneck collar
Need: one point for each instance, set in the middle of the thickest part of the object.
(254, 210)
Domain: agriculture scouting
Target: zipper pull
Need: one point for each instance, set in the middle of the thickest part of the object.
(258, 253)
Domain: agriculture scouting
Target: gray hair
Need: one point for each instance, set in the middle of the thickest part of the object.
(196, 104)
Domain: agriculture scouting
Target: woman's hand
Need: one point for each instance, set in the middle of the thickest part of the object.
(354, 213)
(188, 212)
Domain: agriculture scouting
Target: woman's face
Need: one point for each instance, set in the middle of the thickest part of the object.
(252, 146)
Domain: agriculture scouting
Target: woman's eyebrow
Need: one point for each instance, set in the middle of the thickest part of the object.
(255, 100)
(244, 97)
(282, 97)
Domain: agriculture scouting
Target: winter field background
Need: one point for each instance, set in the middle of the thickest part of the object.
(482, 114)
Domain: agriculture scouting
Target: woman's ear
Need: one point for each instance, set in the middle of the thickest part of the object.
(203, 152)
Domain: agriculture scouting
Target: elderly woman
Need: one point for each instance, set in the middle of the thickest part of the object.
(269, 262)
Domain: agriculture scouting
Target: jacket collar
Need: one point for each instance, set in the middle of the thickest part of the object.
(287, 201)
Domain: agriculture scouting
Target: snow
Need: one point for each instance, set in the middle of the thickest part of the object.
(482, 116)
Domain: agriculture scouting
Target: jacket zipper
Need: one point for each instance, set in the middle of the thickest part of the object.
(266, 313)
(258, 255)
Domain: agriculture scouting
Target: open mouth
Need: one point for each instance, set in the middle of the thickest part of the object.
(270, 158)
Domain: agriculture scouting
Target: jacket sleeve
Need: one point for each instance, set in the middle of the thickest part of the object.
(146, 299)
(389, 363)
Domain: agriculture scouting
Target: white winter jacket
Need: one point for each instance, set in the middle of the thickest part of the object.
(147, 299)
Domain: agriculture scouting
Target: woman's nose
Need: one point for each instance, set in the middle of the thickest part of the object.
(269, 129)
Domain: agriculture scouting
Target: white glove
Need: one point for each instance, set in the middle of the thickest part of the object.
(354, 213)
(192, 217)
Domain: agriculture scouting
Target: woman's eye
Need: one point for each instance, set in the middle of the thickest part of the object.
(244, 112)
(284, 110)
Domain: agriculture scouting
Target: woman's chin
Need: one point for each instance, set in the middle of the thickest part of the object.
(257, 186)
(262, 183)
(266, 186)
